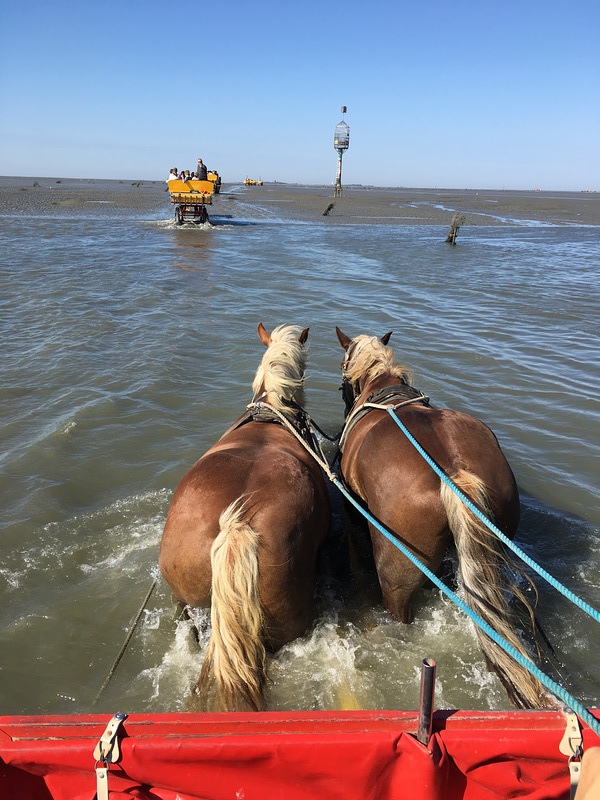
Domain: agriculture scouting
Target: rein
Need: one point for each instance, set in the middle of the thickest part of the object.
(490, 525)
(554, 687)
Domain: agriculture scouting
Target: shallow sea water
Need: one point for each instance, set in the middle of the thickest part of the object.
(129, 346)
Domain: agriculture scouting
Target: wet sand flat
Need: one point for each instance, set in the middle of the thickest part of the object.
(387, 206)
(71, 196)
(426, 206)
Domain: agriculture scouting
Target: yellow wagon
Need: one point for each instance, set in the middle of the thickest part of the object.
(190, 199)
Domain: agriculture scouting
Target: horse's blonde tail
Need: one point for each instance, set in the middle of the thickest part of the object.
(236, 657)
(480, 560)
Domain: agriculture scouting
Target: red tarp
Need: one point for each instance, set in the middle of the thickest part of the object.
(355, 755)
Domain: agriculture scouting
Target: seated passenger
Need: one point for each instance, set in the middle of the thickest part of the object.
(173, 175)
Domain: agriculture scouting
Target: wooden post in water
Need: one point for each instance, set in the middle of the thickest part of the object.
(457, 221)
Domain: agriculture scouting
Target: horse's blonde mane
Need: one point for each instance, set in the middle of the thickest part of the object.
(281, 371)
(369, 358)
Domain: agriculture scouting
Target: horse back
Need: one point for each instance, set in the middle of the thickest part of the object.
(383, 466)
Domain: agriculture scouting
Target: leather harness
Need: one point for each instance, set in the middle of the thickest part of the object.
(297, 417)
(400, 394)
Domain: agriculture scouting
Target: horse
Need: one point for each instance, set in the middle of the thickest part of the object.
(244, 528)
(381, 466)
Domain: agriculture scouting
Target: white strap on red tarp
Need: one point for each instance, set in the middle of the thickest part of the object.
(107, 752)
(572, 745)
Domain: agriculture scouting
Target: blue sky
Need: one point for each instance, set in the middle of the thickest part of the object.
(463, 94)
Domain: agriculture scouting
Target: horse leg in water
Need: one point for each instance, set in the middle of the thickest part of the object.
(423, 523)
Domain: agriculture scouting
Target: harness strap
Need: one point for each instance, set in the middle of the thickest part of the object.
(390, 397)
(261, 411)
(102, 783)
(398, 390)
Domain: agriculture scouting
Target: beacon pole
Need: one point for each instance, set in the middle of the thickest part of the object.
(341, 142)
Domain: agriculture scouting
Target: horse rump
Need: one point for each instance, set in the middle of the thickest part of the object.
(480, 562)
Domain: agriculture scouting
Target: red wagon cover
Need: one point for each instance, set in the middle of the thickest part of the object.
(354, 755)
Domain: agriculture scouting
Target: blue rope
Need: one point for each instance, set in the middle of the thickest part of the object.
(555, 688)
(536, 567)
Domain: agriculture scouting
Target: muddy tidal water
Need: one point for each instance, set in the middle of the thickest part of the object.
(129, 345)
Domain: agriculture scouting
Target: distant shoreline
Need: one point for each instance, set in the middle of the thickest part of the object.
(373, 205)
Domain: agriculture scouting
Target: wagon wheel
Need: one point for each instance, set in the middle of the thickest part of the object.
(178, 216)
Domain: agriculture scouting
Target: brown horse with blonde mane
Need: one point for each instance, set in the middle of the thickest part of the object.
(382, 467)
(244, 527)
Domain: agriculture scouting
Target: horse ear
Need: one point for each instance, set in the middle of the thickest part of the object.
(385, 339)
(303, 336)
(342, 338)
(263, 335)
